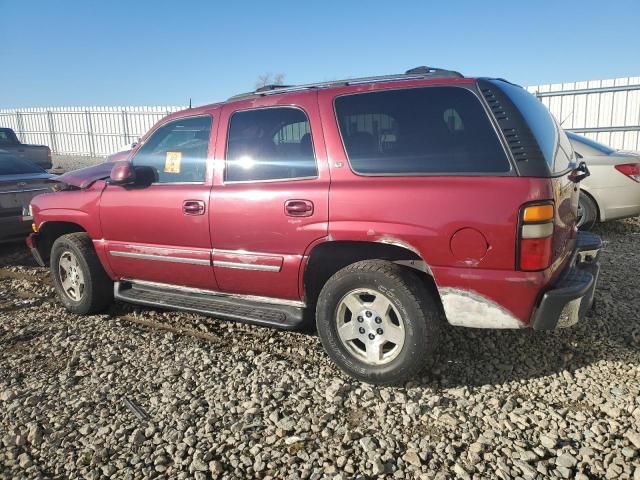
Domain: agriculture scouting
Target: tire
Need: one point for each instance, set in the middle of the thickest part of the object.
(587, 212)
(81, 283)
(398, 303)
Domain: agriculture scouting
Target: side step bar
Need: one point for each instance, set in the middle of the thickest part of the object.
(217, 305)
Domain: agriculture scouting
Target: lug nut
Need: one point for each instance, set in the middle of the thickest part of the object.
(360, 319)
(371, 336)
(368, 314)
(378, 320)
(379, 331)
(361, 330)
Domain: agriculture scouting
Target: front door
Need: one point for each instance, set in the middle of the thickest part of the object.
(270, 202)
(160, 233)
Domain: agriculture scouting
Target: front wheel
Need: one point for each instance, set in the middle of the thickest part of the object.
(378, 322)
(79, 279)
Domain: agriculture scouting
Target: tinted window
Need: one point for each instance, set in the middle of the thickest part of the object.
(15, 166)
(177, 151)
(269, 144)
(419, 131)
(7, 137)
(551, 138)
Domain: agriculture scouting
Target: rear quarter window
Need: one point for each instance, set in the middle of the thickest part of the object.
(551, 138)
(419, 131)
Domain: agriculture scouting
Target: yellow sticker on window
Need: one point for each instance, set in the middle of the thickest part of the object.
(172, 162)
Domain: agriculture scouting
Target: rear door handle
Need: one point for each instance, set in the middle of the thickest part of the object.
(193, 207)
(298, 208)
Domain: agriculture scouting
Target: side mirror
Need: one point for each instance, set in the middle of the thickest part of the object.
(122, 173)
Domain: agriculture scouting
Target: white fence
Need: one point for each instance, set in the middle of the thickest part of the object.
(94, 131)
(606, 110)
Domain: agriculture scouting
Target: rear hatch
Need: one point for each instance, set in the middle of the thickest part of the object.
(540, 149)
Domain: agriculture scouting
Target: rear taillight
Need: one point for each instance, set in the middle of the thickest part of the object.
(535, 237)
(631, 170)
(48, 153)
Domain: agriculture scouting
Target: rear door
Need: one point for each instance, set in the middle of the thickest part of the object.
(160, 233)
(270, 197)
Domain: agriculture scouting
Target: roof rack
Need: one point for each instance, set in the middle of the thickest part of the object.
(416, 73)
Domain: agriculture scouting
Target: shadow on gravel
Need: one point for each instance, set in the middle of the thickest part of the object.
(16, 254)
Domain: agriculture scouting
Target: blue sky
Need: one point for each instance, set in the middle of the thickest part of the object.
(70, 52)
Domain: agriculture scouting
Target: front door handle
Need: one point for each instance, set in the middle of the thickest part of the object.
(298, 208)
(193, 207)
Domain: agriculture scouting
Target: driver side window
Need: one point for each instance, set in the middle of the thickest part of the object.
(177, 151)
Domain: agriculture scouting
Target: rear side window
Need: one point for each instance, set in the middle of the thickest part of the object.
(552, 140)
(177, 151)
(419, 131)
(269, 144)
(7, 137)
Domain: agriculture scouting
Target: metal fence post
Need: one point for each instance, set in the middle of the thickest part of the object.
(125, 127)
(20, 126)
(52, 132)
(92, 147)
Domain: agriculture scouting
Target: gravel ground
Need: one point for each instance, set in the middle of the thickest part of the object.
(215, 399)
(66, 163)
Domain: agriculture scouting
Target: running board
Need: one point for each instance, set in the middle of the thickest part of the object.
(224, 306)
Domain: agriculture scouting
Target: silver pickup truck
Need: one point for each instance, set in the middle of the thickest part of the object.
(38, 154)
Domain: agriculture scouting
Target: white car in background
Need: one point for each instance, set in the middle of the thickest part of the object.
(613, 189)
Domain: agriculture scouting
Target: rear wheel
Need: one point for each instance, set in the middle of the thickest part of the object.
(377, 321)
(79, 279)
(587, 212)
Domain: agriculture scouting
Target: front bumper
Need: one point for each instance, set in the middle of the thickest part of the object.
(32, 243)
(572, 295)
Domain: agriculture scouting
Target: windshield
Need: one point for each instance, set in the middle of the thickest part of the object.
(15, 166)
(590, 143)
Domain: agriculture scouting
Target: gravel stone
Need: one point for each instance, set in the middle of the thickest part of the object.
(548, 441)
(566, 460)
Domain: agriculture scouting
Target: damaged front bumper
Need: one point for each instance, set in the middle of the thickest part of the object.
(572, 295)
(32, 243)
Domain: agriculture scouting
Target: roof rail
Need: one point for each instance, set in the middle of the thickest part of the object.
(268, 88)
(412, 74)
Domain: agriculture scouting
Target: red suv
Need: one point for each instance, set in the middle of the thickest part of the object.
(381, 205)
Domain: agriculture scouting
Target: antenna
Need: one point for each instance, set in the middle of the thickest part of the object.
(189, 102)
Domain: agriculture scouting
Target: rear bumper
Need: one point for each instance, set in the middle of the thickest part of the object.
(572, 295)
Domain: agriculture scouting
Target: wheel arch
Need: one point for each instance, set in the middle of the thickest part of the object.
(327, 258)
(50, 231)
